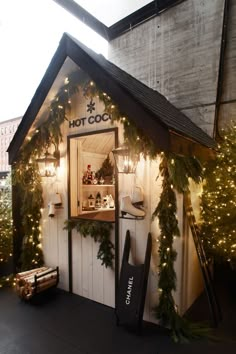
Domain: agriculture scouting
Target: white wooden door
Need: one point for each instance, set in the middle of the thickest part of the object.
(89, 278)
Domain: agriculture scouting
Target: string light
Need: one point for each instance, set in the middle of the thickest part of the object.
(219, 197)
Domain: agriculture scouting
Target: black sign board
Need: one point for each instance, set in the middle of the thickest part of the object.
(132, 287)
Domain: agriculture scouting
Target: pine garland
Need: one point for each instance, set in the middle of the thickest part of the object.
(28, 182)
(181, 168)
(166, 311)
(100, 232)
(166, 212)
(27, 178)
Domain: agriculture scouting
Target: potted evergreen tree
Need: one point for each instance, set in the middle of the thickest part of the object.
(106, 171)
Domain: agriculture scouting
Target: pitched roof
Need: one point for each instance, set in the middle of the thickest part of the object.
(162, 122)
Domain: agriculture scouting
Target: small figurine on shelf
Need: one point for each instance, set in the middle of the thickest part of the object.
(94, 178)
(111, 202)
(98, 202)
(105, 202)
(91, 202)
(88, 176)
(101, 180)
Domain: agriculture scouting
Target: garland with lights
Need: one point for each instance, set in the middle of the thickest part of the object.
(100, 232)
(175, 171)
(219, 201)
(166, 310)
(6, 233)
(27, 179)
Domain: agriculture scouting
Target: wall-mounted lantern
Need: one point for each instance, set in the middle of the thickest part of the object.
(48, 163)
(126, 161)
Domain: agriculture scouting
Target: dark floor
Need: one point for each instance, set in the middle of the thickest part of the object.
(62, 323)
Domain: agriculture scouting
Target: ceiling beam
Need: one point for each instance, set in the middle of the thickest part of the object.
(127, 23)
(85, 17)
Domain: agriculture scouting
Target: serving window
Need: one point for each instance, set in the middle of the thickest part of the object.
(92, 176)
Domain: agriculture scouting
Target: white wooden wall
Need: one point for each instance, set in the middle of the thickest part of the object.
(90, 279)
(54, 238)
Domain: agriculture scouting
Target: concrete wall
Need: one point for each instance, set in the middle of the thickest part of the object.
(228, 99)
(177, 54)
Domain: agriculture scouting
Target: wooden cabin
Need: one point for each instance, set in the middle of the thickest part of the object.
(88, 138)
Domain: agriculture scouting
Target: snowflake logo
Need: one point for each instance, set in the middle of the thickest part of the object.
(91, 106)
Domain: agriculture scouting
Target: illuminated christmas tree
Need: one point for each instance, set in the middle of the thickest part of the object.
(5, 223)
(219, 201)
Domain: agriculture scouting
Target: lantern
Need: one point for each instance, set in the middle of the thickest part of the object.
(48, 163)
(126, 161)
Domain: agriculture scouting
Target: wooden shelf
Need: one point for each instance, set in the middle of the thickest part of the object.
(98, 185)
(104, 215)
